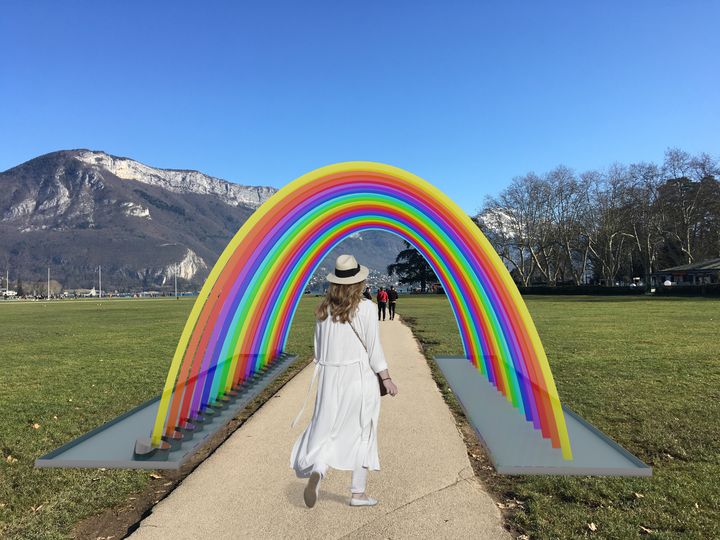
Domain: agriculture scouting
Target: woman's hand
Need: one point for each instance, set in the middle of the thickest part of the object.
(390, 387)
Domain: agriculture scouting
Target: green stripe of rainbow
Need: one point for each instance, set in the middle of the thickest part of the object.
(242, 316)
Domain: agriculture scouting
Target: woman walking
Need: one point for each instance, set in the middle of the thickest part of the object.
(350, 366)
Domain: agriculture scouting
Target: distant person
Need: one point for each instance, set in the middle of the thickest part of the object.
(382, 298)
(349, 360)
(392, 300)
(367, 294)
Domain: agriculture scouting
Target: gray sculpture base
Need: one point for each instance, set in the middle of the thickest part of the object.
(515, 447)
(112, 445)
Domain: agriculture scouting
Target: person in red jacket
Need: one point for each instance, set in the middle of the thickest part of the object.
(382, 298)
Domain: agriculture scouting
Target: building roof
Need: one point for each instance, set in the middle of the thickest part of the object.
(710, 264)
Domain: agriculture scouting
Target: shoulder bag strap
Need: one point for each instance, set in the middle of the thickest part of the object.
(359, 338)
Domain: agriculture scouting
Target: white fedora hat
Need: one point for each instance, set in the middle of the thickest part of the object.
(348, 271)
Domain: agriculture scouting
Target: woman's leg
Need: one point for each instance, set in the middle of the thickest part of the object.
(312, 489)
(359, 481)
(320, 468)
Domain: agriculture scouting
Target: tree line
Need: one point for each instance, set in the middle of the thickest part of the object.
(606, 227)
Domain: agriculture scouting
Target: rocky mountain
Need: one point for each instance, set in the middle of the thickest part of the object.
(76, 210)
(177, 181)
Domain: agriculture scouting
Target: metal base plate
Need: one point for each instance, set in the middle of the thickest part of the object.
(112, 445)
(516, 447)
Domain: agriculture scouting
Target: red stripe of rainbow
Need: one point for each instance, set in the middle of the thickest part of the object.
(242, 316)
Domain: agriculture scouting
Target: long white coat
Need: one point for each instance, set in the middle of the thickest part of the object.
(343, 429)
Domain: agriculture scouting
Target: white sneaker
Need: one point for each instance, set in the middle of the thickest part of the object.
(312, 490)
(363, 502)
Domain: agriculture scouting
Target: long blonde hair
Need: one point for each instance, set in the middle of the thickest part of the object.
(340, 301)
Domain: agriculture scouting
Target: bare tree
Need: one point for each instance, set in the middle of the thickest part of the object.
(608, 237)
(531, 198)
(680, 201)
(645, 223)
(504, 228)
(571, 217)
(624, 221)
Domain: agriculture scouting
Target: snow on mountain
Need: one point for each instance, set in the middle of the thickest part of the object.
(178, 181)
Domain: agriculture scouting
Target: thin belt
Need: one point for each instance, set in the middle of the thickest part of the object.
(312, 381)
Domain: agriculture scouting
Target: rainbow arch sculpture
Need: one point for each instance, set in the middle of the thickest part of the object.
(241, 318)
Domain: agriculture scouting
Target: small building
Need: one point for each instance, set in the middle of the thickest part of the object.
(694, 274)
(80, 293)
(149, 294)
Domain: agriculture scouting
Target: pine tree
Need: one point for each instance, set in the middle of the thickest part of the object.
(411, 267)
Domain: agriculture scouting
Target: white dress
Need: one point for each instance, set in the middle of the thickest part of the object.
(343, 429)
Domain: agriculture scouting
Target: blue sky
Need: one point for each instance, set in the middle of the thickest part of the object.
(464, 94)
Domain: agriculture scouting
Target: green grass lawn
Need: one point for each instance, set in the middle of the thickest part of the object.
(646, 372)
(65, 368)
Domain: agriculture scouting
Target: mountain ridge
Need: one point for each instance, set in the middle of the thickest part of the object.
(75, 210)
(129, 169)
